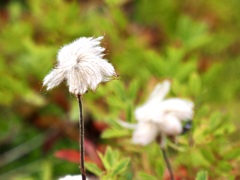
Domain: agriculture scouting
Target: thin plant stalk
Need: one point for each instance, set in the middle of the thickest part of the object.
(169, 167)
(165, 156)
(81, 138)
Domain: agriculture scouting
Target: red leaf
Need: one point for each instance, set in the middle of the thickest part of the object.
(68, 155)
(74, 155)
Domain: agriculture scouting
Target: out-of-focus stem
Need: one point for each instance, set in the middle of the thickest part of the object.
(165, 156)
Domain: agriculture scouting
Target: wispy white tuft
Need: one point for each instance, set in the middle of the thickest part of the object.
(82, 65)
(159, 117)
(71, 177)
(145, 133)
(127, 125)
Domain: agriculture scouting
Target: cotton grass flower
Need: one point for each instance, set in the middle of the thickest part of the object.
(71, 177)
(159, 118)
(82, 65)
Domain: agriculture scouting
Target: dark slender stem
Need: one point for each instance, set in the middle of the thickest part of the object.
(165, 156)
(81, 137)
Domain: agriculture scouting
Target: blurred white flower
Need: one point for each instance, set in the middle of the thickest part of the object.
(71, 177)
(159, 117)
(81, 64)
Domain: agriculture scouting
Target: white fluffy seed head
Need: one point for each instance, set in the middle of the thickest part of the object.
(145, 133)
(156, 107)
(71, 177)
(159, 117)
(81, 64)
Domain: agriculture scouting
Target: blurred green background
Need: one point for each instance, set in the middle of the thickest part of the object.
(195, 44)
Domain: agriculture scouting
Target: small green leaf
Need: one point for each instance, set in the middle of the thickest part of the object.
(129, 110)
(202, 175)
(104, 161)
(195, 84)
(109, 156)
(232, 154)
(47, 170)
(225, 166)
(93, 168)
(159, 169)
(143, 176)
(215, 121)
(208, 155)
(121, 166)
(114, 133)
(133, 89)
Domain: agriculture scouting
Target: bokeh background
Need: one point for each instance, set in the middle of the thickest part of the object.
(195, 44)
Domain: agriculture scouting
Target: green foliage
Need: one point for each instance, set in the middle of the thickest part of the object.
(193, 43)
(114, 164)
(47, 171)
(93, 168)
(142, 176)
(202, 175)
